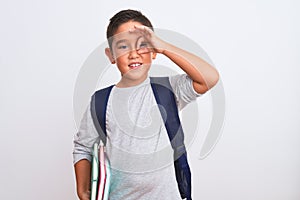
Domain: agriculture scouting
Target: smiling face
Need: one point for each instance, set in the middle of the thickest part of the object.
(129, 51)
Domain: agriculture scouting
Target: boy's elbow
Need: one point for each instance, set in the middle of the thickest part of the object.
(214, 79)
(210, 82)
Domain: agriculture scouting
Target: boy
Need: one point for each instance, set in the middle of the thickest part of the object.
(131, 117)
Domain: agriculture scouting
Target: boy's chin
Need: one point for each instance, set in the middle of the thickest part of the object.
(136, 74)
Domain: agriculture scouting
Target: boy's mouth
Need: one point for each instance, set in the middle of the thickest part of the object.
(135, 65)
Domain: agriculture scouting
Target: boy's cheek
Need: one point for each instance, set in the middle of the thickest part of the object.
(119, 54)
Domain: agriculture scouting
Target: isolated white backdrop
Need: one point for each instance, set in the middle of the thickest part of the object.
(254, 44)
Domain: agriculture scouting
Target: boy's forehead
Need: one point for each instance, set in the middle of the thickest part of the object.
(126, 36)
(125, 27)
(123, 32)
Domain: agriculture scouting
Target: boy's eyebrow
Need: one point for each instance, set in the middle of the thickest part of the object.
(120, 41)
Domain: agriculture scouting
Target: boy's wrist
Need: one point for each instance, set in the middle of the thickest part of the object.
(163, 48)
(166, 47)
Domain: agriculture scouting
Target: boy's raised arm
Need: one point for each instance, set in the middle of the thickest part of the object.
(204, 76)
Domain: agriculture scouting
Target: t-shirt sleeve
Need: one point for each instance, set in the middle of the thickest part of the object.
(182, 86)
(85, 138)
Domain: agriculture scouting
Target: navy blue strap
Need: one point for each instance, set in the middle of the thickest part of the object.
(167, 105)
(98, 111)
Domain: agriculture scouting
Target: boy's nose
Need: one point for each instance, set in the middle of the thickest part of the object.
(133, 54)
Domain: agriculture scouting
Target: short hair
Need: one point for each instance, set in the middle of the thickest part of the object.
(122, 17)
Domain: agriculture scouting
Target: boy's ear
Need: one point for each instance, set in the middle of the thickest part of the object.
(110, 55)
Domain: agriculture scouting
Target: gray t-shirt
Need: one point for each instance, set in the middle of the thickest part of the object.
(138, 147)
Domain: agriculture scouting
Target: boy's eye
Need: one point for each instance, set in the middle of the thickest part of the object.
(143, 45)
(122, 46)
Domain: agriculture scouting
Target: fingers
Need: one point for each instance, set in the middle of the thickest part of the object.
(148, 35)
(142, 29)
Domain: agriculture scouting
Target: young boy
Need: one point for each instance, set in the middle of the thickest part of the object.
(133, 122)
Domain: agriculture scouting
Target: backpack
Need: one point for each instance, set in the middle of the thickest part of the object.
(164, 97)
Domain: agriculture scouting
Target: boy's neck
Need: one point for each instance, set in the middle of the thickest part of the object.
(127, 82)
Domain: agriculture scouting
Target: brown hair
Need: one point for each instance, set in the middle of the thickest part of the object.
(122, 17)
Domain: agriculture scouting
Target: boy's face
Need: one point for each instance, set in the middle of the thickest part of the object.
(129, 51)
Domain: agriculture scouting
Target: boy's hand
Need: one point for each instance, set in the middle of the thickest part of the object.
(155, 43)
(84, 195)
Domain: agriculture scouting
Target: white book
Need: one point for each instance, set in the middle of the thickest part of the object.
(95, 173)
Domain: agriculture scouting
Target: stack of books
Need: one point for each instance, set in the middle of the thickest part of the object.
(100, 176)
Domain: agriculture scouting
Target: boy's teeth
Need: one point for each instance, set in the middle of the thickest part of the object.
(135, 65)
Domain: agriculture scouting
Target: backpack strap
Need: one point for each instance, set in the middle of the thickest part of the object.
(167, 105)
(98, 111)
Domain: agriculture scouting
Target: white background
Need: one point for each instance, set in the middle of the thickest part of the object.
(254, 44)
